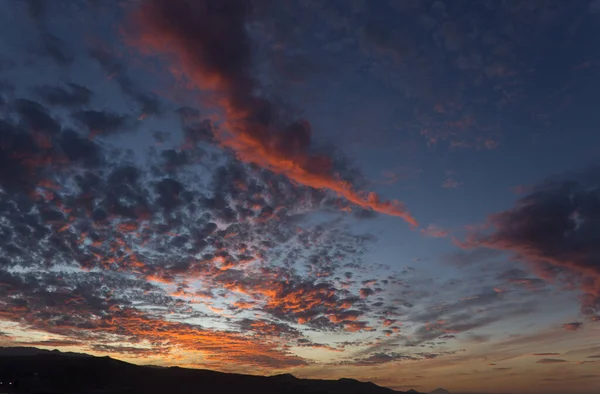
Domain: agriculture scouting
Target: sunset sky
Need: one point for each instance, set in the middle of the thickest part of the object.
(400, 191)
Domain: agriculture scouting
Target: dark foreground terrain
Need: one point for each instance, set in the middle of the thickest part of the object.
(38, 371)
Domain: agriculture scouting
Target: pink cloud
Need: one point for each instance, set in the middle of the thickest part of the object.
(574, 326)
(434, 231)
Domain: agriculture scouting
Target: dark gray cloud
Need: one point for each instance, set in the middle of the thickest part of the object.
(551, 361)
(28, 145)
(574, 326)
(103, 122)
(71, 95)
(129, 351)
(383, 358)
(555, 229)
(34, 116)
(389, 357)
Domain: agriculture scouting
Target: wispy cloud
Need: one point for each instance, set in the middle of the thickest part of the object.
(435, 231)
(551, 361)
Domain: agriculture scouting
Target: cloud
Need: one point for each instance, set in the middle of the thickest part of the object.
(303, 342)
(391, 177)
(81, 150)
(554, 229)
(96, 248)
(102, 122)
(29, 147)
(545, 354)
(519, 277)
(447, 320)
(551, 361)
(451, 183)
(86, 316)
(383, 358)
(572, 326)
(72, 95)
(55, 343)
(366, 292)
(210, 42)
(577, 377)
(434, 231)
(269, 328)
(35, 116)
(129, 351)
(194, 233)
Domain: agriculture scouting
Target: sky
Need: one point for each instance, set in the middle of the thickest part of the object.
(400, 191)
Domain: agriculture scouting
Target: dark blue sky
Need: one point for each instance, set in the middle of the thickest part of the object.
(332, 188)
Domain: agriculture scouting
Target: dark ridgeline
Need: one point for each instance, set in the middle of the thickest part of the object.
(440, 391)
(39, 371)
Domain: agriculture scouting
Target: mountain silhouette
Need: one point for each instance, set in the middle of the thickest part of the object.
(32, 351)
(52, 372)
(440, 391)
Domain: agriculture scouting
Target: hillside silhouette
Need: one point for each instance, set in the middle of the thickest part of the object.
(41, 371)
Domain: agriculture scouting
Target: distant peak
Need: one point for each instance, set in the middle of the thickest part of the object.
(285, 376)
(348, 380)
(33, 351)
(440, 391)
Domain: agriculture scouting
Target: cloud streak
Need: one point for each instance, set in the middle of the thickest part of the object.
(209, 40)
(551, 361)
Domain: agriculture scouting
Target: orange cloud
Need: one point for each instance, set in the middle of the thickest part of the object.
(210, 43)
(244, 304)
(126, 325)
(388, 322)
